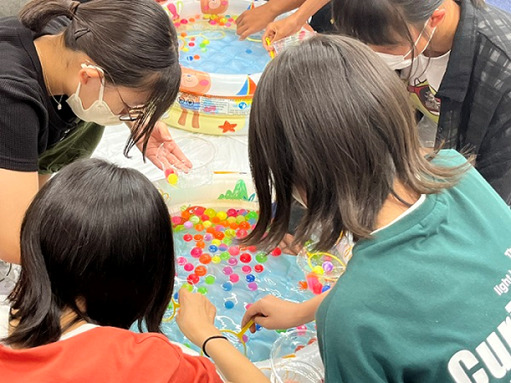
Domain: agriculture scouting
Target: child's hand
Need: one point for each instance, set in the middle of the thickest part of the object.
(274, 313)
(175, 156)
(280, 29)
(196, 317)
(254, 20)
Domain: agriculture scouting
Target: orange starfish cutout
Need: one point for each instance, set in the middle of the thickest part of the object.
(227, 127)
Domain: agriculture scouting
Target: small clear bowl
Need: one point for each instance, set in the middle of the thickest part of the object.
(295, 358)
(200, 152)
(323, 268)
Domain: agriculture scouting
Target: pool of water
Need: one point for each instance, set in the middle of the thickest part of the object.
(209, 261)
(217, 49)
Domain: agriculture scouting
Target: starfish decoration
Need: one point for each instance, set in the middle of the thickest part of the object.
(227, 127)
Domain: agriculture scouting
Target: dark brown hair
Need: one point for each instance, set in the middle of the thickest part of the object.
(133, 41)
(331, 119)
(99, 233)
(383, 22)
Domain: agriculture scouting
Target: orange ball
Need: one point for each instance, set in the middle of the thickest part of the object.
(198, 237)
(201, 244)
(205, 258)
(201, 271)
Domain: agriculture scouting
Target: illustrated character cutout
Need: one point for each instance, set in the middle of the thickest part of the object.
(193, 84)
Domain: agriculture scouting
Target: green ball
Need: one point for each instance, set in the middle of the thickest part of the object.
(203, 290)
(210, 279)
(261, 257)
(188, 286)
(224, 256)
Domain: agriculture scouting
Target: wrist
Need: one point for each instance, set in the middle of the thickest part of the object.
(204, 333)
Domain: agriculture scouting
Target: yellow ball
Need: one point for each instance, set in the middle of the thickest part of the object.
(216, 259)
(172, 179)
(318, 270)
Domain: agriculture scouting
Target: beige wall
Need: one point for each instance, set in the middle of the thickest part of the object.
(10, 7)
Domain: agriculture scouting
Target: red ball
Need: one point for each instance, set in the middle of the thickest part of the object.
(187, 237)
(276, 252)
(245, 258)
(259, 268)
(193, 279)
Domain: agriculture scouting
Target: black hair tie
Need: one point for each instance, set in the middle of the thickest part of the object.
(210, 338)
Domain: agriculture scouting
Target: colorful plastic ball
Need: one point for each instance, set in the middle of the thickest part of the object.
(181, 261)
(317, 289)
(232, 261)
(195, 219)
(201, 271)
(216, 259)
(198, 237)
(205, 259)
(222, 215)
(261, 257)
(189, 267)
(246, 269)
(219, 235)
(210, 212)
(248, 51)
(245, 257)
(253, 249)
(276, 252)
(172, 179)
(189, 58)
(244, 225)
(193, 279)
(229, 305)
(325, 288)
(252, 286)
(318, 270)
(207, 223)
(216, 242)
(213, 248)
(196, 252)
(208, 237)
(250, 278)
(201, 244)
(245, 338)
(176, 220)
(259, 268)
(210, 279)
(188, 224)
(252, 215)
(327, 266)
(196, 57)
(230, 233)
(227, 270)
(188, 287)
(241, 233)
(240, 218)
(199, 210)
(223, 247)
(227, 286)
(176, 296)
(302, 285)
(234, 250)
(234, 278)
(202, 290)
(232, 213)
(187, 237)
(224, 256)
(199, 227)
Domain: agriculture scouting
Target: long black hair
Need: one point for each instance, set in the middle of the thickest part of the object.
(99, 234)
(133, 41)
(330, 119)
(384, 22)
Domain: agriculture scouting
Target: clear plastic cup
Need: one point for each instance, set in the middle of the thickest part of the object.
(295, 358)
(200, 152)
(280, 45)
(323, 268)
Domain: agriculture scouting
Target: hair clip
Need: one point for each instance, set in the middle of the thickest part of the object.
(81, 32)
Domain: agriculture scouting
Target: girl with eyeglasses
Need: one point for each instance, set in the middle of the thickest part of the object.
(67, 69)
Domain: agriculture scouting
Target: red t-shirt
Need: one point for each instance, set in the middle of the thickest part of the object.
(106, 354)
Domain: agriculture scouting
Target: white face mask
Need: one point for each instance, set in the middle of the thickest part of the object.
(99, 112)
(398, 62)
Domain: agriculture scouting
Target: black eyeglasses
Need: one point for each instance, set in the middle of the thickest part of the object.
(133, 114)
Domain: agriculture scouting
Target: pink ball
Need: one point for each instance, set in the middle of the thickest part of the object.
(234, 250)
(196, 252)
(234, 278)
(232, 261)
(188, 267)
(252, 286)
(181, 261)
(227, 270)
(246, 269)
